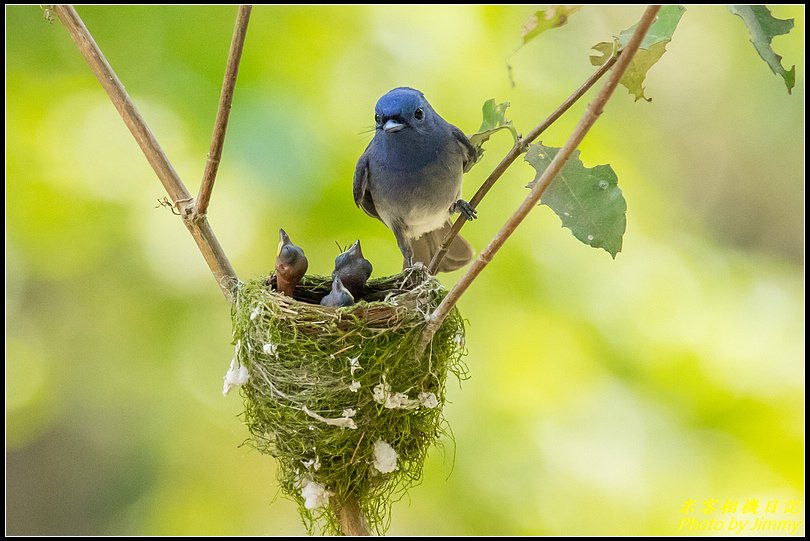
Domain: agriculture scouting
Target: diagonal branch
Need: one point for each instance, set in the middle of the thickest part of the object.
(519, 148)
(586, 122)
(224, 111)
(350, 515)
(200, 230)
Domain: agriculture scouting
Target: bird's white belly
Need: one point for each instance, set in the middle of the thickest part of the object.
(417, 222)
(420, 223)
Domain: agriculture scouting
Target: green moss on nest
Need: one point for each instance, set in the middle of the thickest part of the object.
(304, 359)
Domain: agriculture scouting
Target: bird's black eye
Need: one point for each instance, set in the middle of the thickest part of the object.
(419, 114)
(377, 118)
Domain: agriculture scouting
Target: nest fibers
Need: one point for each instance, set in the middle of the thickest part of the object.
(339, 396)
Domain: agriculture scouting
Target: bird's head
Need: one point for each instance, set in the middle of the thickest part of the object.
(288, 253)
(403, 109)
(352, 254)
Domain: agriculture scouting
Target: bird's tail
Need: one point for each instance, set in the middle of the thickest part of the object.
(425, 247)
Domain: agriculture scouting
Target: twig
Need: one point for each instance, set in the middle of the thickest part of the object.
(224, 111)
(586, 122)
(182, 199)
(349, 513)
(520, 147)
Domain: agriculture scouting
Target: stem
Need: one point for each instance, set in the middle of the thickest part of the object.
(224, 111)
(520, 147)
(200, 229)
(351, 518)
(350, 515)
(586, 122)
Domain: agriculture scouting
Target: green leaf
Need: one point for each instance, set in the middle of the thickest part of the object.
(652, 48)
(661, 30)
(763, 27)
(633, 78)
(588, 201)
(494, 120)
(546, 19)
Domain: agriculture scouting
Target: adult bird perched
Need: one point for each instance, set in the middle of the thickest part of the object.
(409, 177)
(353, 269)
(339, 296)
(291, 264)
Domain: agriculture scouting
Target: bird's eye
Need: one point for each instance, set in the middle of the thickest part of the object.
(419, 114)
(377, 118)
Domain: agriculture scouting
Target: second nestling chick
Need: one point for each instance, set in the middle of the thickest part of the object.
(353, 269)
(291, 264)
(339, 296)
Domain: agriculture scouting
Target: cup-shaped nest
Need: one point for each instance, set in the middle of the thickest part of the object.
(342, 397)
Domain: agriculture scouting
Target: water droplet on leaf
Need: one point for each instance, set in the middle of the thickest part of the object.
(603, 184)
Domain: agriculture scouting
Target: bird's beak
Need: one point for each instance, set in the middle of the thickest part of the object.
(355, 248)
(283, 239)
(392, 126)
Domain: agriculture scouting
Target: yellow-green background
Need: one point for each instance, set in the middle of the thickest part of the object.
(604, 394)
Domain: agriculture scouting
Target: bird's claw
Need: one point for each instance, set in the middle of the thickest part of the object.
(466, 210)
(407, 262)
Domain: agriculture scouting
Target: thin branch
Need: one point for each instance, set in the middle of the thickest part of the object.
(350, 515)
(224, 111)
(586, 122)
(181, 198)
(519, 148)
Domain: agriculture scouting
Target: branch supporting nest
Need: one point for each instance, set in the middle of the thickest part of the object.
(224, 111)
(520, 147)
(200, 229)
(586, 122)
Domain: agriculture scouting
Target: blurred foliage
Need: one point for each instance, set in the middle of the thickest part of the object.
(604, 394)
(763, 28)
(545, 19)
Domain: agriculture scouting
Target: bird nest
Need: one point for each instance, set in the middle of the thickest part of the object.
(340, 397)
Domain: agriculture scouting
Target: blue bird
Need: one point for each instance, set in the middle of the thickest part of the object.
(409, 177)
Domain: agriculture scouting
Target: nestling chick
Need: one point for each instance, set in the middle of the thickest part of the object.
(291, 264)
(352, 269)
(339, 296)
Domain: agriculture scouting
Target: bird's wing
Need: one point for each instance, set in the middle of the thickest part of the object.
(362, 195)
(469, 150)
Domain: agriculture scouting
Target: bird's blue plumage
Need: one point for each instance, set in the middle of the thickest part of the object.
(410, 175)
(401, 102)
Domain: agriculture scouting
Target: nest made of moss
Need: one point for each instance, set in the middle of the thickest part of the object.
(340, 396)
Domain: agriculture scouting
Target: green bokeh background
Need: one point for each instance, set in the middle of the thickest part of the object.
(604, 394)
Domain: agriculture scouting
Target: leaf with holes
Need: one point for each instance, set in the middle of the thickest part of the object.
(546, 19)
(763, 27)
(652, 48)
(494, 120)
(587, 200)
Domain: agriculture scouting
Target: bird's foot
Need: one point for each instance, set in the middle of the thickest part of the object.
(407, 262)
(466, 210)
